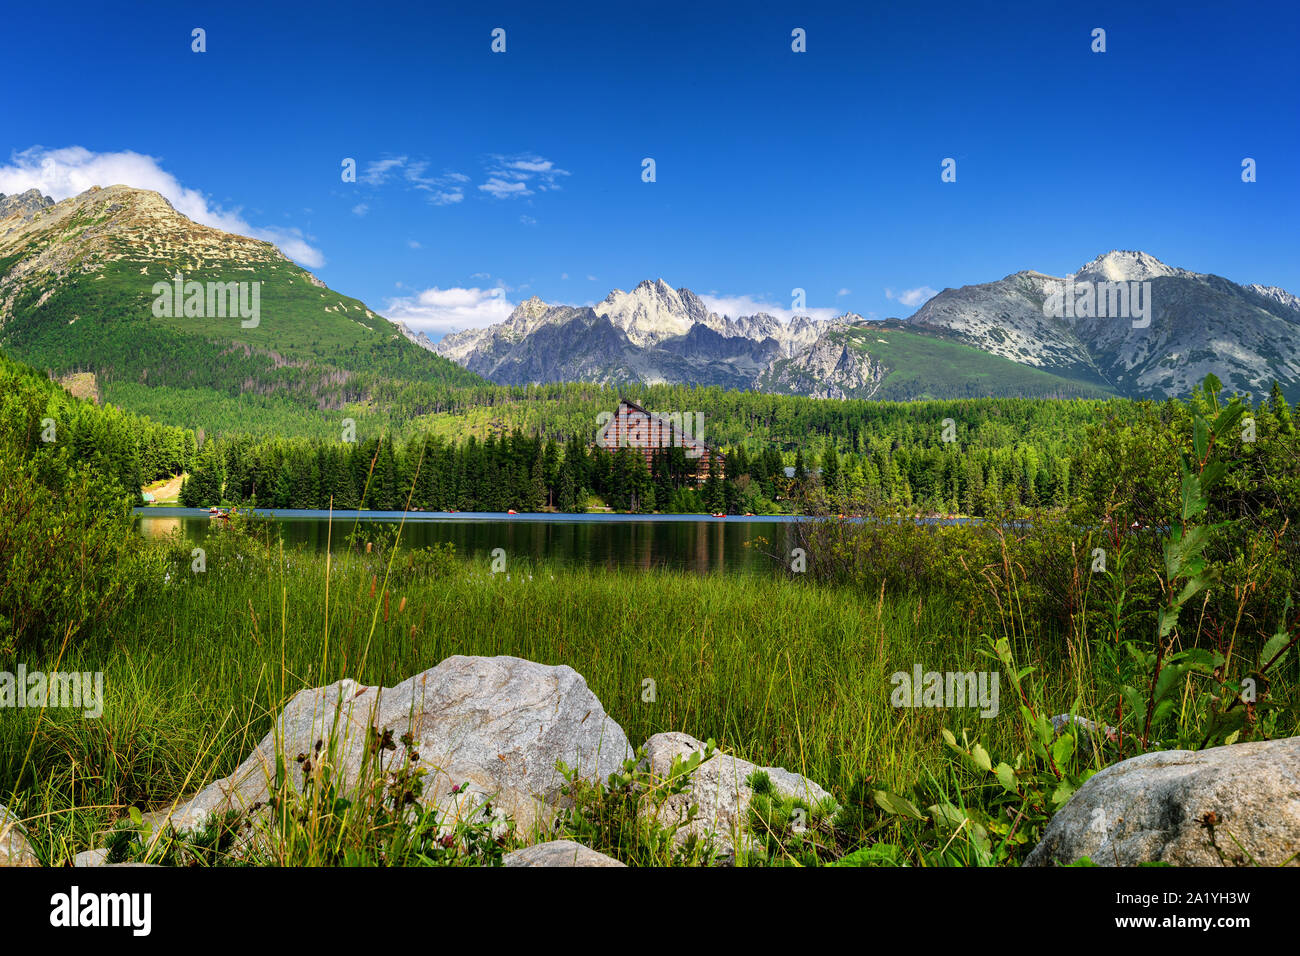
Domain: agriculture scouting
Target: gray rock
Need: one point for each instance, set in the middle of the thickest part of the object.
(1089, 735)
(1154, 807)
(91, 858)
(719, 788)
(14, 848)
(25, 204)
(558, 853)
(488, 728)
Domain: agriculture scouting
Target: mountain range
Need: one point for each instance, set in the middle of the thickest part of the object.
(997, 338)
(79, 284)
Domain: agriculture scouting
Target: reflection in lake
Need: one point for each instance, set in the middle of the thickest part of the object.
(687, 542)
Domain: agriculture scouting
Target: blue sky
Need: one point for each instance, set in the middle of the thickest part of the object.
(484, 178)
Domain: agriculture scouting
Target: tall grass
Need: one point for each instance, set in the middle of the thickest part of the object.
(783, 670)
(778, 671)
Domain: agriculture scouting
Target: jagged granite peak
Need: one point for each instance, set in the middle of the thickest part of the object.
(25, 204)
(655, 311)
(418, 338)
(1280, 296)
(830, 367)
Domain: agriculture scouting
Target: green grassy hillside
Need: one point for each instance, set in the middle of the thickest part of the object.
(921, 366)
(77, 293)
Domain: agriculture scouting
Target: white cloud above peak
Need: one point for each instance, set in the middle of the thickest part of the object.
(438, 311)
(912, 297)
(69, 171)
(735, 306)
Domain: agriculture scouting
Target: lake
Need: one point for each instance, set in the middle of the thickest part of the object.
(687, 542)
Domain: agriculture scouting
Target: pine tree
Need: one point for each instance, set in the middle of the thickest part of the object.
(1281, 411)
(831, 470)
(567, 495)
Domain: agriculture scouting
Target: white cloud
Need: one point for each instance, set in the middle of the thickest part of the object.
(912, 297)
(413, 243)
(438, 311)
(377, 170)
(528, 220)
(506, 177)
(521, 175)
(72, 170)
(735, 306)
(841, 293)
(443, 190)
(503, 190)
(360, 209)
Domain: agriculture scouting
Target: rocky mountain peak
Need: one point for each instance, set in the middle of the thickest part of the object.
(532, 307)
(24, 204)
(1127, 265)
(653, 311)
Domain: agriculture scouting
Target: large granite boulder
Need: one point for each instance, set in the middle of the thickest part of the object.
(484, 728)
(1226, 806)
(720, 790)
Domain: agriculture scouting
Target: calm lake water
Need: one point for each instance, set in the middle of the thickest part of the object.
(689, 542)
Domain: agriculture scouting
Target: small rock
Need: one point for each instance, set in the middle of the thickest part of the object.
(1089, 735)
(719, 788)
(91, 858)
(558, 853)
(14, 848)
(1226, 806)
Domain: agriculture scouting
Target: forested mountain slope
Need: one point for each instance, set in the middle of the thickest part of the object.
(90, 285)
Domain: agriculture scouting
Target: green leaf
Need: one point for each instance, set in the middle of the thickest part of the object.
(1200, 659)
(1167, 620)
(1211, 475)
(1274, 644)
(1170, 679)
(1046, 732)
(878, 854)
(1062, 793)
(1063, 749)
(981, 758)
(1134, 701)
(136, 816)
(1007, 777)
(898, 806)
(1227, 419)
(947, 815)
